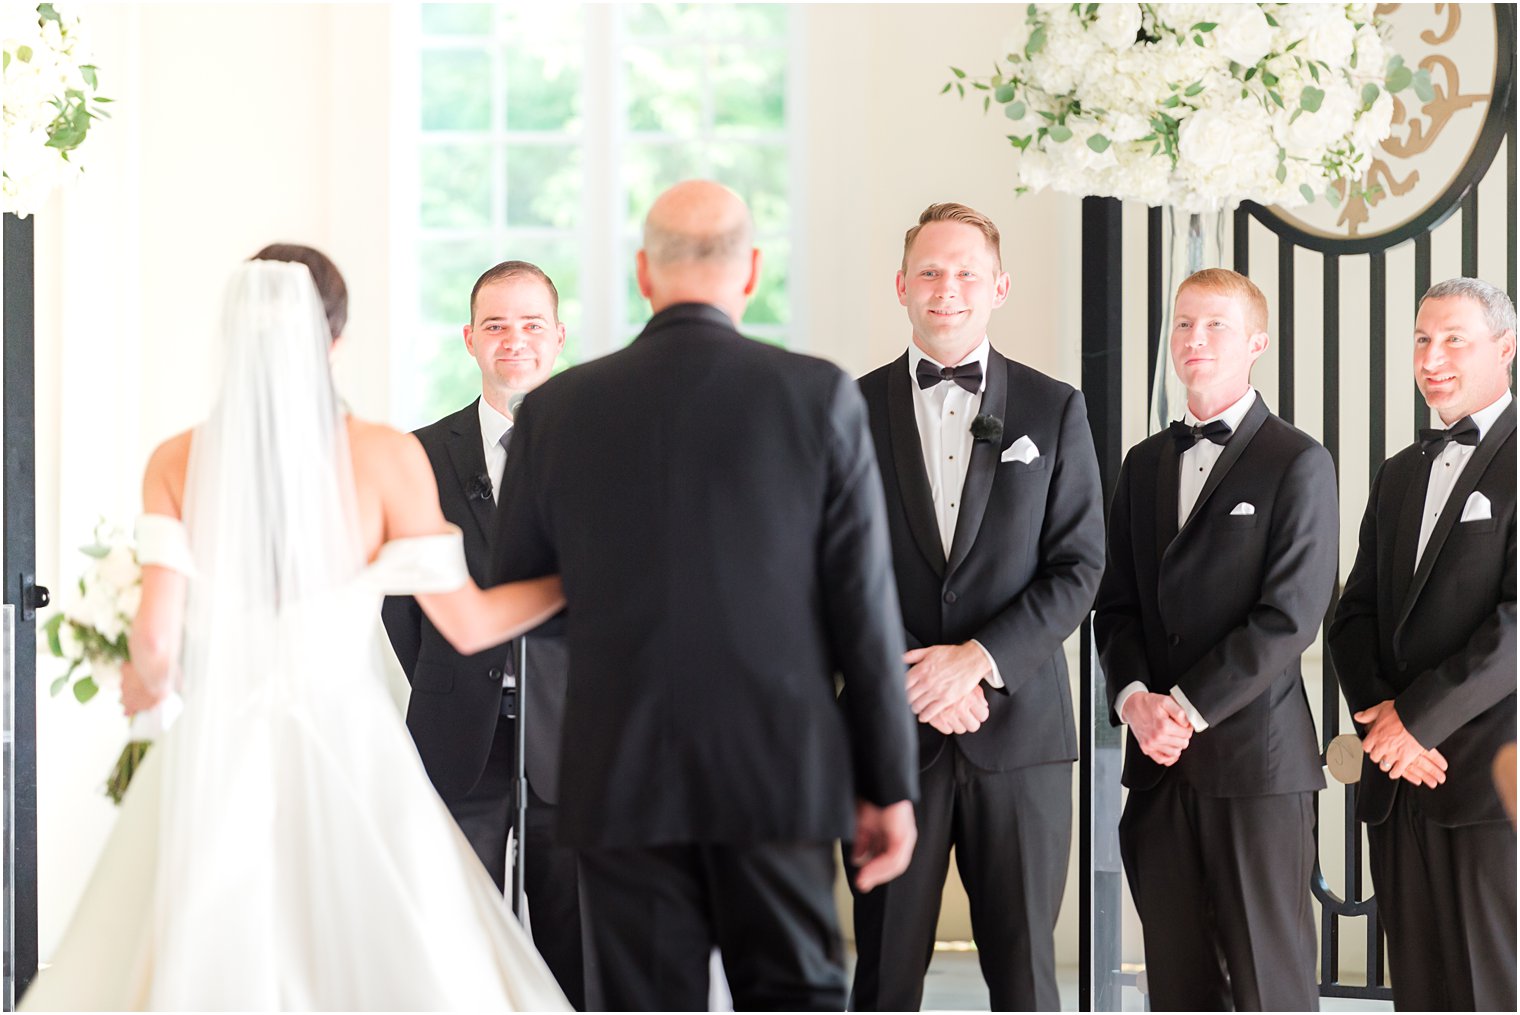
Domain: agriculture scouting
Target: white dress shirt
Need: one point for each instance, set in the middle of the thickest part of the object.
(1448, 466)
(1193, 470)
(944, 412)
(492, 425)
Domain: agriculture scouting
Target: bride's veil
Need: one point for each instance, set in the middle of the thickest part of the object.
(269, 508)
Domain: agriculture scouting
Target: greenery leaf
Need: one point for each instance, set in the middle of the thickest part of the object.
(1276, 97)
(1098, 143)
(85, 689)
(1307, 191)
(1060, 132)
(961, 89)
(1333, 196)
(87, 72)
(1314, 73)
(1270, 19)
(1312, 98)
(1193, 89)
(1423, 87)
(45, 12)
(1399, 78)
(958, 72)
(948, 86)
(1015, 110)
(24, 53)
(1282, 173)
(1204, 26)
(1395, 62)
(57, 686)
(5, 61)
(1036, 42)
(1005, 93)
(1369, 94)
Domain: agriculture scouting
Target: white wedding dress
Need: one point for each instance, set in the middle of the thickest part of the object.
(282, 848)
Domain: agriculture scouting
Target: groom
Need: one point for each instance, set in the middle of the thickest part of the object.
(463, 709)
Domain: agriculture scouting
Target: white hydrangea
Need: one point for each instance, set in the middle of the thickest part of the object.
(1199, 106)
(44, 60)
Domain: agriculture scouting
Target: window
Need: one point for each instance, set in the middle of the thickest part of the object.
(543, 132)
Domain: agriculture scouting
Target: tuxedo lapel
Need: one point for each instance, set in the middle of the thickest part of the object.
(983, 466)
(469, 461)
(1407, 535)
(1467, 482)
(908, 463)
(1168, 471)
(1255, 416)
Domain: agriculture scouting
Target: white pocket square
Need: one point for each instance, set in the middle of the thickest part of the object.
(1021, 450)
(1477, 508)
(1243, 508)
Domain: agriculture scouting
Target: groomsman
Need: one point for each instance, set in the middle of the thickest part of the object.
(1221, 560)
(1424, 646)
(463, 709)
(995, 511)
(714, 508)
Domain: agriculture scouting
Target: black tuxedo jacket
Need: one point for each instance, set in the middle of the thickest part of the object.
(713, 506)
(456, 699)
(1225, 607)
(1438, 640)
(1024, 562)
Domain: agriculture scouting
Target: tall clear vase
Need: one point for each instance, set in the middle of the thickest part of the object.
(1192, 241)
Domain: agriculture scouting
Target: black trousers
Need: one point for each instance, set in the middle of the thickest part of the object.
(1446, 897)
(652, 916)
(1222, 888)
(1011, 832)
(485, 815)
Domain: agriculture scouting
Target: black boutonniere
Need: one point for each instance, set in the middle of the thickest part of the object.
(480, 487)
(986, 428)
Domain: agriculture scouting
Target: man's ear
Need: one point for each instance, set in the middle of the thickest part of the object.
(641, 264)
(753, 282)
(1257, 344)
(902, 288)
(1000, 289)
(469, 339)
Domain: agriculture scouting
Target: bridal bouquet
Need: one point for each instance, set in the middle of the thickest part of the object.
(90, 635)
(49, 101)
(1197, 106)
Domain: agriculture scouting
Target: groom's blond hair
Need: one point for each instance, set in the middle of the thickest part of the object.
(949, 211)
(1235, 286)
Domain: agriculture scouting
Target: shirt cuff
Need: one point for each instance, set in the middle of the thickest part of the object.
(1199, 723)
(994, 679)
(1131, 689)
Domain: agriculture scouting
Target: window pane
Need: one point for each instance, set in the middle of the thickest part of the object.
(543, 88)
(447, 271)
(450, 376)
(758, 174)
(664, 89)
(749, 89)
(543, 185)
(525, 25)
(746, 21)
(771, 304)
(650, 168)
(456, 19)
(456, 89)
(663, 19)
(455, 192)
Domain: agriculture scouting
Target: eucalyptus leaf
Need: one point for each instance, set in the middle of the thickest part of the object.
(85, 689)
(55, 646)
(1307, 191)
(95, 550)
(1036, 42)
(1369, 94)
(1312, 98)
(1399, 78)
(1098, 143)
(1005, 93)
(1282, 174)
(57, 686)
(1060, 132)
(1333, 196)
(1204, 26)
(1423, 87)
(46, 12)
(5, 61)
(24, 54)
(1015, 110)
(87, 72)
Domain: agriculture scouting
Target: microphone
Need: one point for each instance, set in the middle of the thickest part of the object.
(515, 403)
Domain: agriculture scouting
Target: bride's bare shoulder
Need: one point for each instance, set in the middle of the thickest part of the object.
(383, 452)
(164, 477)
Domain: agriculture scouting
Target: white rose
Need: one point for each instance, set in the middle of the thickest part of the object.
(1241, 34)
(1117, 25)
(1331, 38)
(1224, 154)
(118, 568)
(1310, 133)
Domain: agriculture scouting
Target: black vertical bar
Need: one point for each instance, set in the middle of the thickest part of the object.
(1470, 233)
(1330, 939)
(1155, 299)
(1242, 237)
(1102, 376)
(20, 563)
(1421, 283)
(1510, 160)
(1377, 360)
(1285, 250)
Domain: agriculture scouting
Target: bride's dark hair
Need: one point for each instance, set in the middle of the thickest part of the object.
(329, 280)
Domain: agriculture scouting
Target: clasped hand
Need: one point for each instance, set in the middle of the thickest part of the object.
(1160, 726)
(138, 694)
(945, 686)
(1395, 750)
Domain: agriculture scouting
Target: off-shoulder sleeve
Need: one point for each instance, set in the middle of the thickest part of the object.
(422, 564)
(162, 541)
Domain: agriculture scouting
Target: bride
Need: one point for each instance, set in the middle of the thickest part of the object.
(282, 848)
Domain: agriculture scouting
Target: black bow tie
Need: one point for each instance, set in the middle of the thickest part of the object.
(967, 375)
(1433, 441)
(1186, 436)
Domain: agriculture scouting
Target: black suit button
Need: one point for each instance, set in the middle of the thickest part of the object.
(495, 674)
(1176, 640)
(949, 596)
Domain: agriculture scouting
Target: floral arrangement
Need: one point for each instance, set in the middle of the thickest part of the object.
(49, 101)
(90, 634)
(1197, 106)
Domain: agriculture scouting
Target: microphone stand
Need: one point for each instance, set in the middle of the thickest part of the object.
(520, 784)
